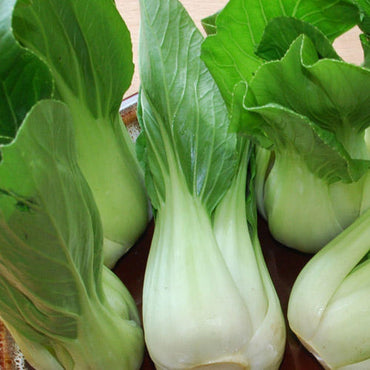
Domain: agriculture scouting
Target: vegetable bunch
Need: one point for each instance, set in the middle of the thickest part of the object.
(308, 113)
(90, 68)
(208, 299)
(263, 115)
(307, 110)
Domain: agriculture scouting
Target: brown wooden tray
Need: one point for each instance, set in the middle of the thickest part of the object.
(284, 265)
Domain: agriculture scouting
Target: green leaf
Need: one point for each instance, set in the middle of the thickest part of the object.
(56, 297)
(89, 54)
(319, 149)
(209, 23)
(318, 107)
(181, 110)
(365, 42)
(50, 230)
(365, 24)
(364, 6)
(24, 78)
(230, 53)
(89, 51)
(48, 212)
(280, 32)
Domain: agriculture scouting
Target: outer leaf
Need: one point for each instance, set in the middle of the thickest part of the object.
(365, 27)
(47, 211)
(313, 105)
(235, 228)
(56, 297)
(90, 57)
(321, 152)
(186, 127)
(230, 54)
(24, 78)
(86, 57)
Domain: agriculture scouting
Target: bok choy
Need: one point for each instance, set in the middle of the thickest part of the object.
(332, 319)
(208, 301)
(63, 307)
(86, 46)
(319, 180)
(306, 108)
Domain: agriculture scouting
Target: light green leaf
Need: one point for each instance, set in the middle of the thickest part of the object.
(56, 296)
(89, 51)
(48, 212)
(320, 108)
(89, 54)
(230, 53)
(318, 148)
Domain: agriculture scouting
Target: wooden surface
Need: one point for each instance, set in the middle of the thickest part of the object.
(348, 45)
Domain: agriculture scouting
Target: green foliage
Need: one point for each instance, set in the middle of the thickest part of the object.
(230, 52)
(55, 293)
(205, 234)
(288, 90)
(90, 60)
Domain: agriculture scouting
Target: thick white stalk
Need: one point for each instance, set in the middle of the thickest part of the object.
(194, 315)
(242, 254)
(329, 304)
(298, 206)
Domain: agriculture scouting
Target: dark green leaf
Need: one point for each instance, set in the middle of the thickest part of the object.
(209, 24)
(365, 42)
(24, 78)
(280, 32)
(182, 112)
(90, 59)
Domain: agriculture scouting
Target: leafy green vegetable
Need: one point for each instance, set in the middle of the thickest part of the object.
(332, 319)
(24, 78)
(196, 179)
(286, 87)
(209, 23)
(230, 53)
(89, 56)
(314, 112)
(308, 111)
(63, 307)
